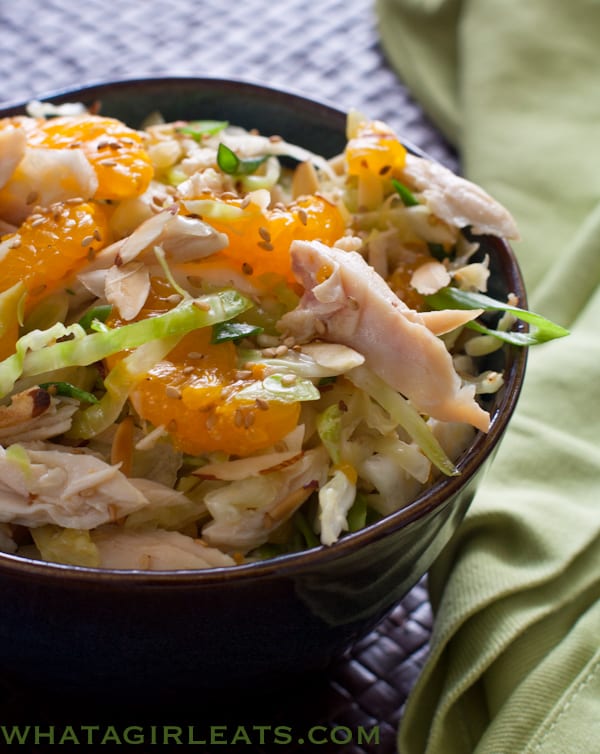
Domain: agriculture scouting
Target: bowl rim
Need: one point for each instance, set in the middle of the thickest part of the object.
(427, 501)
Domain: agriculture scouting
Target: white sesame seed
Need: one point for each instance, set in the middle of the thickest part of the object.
(172, 392)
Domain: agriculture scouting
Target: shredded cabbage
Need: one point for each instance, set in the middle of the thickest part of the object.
(189, 391)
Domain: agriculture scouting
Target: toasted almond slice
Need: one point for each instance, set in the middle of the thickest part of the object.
(242, 468)
(446, 320)
(285, 507)
(429, 277)
(24, 406)
(127, 287)
(334, 356)
(304, 180)
(122, 446)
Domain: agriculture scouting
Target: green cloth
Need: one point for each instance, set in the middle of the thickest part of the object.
(514, 664)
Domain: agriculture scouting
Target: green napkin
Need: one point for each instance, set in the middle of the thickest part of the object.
(514, 664)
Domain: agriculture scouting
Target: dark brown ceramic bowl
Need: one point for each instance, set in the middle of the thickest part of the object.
(230, 627)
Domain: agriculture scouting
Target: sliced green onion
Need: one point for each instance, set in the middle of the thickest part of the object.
(69, 391)
(198, 129)
(541, 329)
(231, 164)
(357, 515)
(302, 525)
(407, 196)
(100, 313)
(224, 331)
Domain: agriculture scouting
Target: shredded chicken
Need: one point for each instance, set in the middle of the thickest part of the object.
(47, 484)
(457, 201)
(355, 306)
(155, 550)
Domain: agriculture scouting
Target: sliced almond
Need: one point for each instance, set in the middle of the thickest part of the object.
(127, 288)
(242, 468)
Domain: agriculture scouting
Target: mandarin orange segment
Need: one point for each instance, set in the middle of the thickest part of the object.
(116, 152)
(193, 394)
(400, 282)
(374, 148)
(260, 243)
(51, 245)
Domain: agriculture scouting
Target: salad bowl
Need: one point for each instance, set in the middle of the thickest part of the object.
(271, 619)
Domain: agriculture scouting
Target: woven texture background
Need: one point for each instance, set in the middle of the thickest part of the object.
(328, 50)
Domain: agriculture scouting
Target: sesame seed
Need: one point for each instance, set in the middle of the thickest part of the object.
(302, 216)
(264, 234)
(74, 200)
(97, 235)
(266, 245)
(38, 221)
(385, 169)
(249, 419)
(202, 305)
(87, 240)
(247, 268)
(262, 404)
(172, 392)
(188, 370)
(243, 374)
(91, 254)
(195, 355)
(238, 418)
(108, 163)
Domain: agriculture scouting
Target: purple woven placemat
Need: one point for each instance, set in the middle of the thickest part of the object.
(328, 50)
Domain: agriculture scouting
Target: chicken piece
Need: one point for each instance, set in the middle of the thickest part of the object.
(155, 550)
(43, 483)
(457, 201)
(346, 301)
